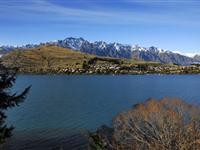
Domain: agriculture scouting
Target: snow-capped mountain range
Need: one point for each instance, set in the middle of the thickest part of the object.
(117, 50)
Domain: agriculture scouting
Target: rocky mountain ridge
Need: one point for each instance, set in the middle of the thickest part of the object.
(116, 50)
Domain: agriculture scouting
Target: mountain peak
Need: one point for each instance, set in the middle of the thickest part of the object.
(138, 48)
(118, 50)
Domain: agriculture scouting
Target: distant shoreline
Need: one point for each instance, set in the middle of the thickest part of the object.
(56, 60)
(84, 74)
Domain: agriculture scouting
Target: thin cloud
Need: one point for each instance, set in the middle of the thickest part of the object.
(189, 54)
(46, 11)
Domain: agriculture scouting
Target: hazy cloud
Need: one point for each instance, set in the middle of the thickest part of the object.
(41, 10)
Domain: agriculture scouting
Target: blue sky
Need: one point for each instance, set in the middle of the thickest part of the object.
(169, 24)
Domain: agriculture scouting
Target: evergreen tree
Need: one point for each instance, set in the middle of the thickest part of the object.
(8, 99)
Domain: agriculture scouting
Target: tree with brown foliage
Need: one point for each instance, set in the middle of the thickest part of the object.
(168, 124)
(8, 99)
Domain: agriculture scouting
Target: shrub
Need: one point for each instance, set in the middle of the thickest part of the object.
(168, 124)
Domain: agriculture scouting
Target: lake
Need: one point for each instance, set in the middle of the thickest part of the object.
(60, 110)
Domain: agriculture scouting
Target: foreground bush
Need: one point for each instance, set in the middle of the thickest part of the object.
(168, 124)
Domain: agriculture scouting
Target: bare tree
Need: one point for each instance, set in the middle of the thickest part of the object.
(168, 124)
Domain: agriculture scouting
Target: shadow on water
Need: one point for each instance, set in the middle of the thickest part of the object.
(36, 140)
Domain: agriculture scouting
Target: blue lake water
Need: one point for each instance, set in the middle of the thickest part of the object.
(59, 109)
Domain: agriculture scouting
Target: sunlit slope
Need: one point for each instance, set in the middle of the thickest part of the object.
(45, 58)
(54, 59)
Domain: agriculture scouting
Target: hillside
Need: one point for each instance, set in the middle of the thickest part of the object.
(115, 50)
(162, 56)
(118, 50)
(45, 58)
(54, 59)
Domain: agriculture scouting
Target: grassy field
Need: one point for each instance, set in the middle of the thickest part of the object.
(45, 58)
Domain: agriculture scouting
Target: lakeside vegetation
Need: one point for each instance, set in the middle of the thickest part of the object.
(167, 124)
(8, 100)
(49, 59)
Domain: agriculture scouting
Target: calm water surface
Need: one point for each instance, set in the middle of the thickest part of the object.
(59, 109)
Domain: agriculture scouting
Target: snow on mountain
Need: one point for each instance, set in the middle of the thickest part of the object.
(191, 54)
(73, 43)
(101, 48)
(100, 44)
(138, 48)
(118, 50)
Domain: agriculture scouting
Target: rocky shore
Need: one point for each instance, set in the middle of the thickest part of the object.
(122, 69)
